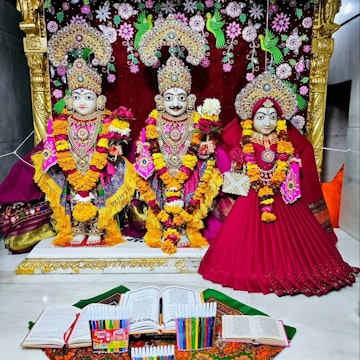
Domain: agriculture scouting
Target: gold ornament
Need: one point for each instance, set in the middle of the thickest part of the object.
(80, 75)
(266, 85)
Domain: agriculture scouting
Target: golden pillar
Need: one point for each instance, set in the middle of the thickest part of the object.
(322, 49)
(35, 47)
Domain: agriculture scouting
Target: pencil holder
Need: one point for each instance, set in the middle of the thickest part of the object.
(109, 327)
(195, 324)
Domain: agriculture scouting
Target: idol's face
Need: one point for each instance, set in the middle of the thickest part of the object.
(175, 101)
(265, 120)
(84, 101)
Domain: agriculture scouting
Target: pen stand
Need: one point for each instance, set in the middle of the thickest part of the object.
(164, 352)
(195, 325)
(109, 329)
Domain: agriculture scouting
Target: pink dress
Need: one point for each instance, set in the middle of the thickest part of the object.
(294, 254)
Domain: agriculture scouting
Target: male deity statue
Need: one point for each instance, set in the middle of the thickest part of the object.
(176, 164)
(81, 170)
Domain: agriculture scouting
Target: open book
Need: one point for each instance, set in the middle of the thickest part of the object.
(57, 326)
(256, 329)
(153, 310)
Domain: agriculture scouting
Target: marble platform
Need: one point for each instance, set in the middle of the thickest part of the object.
(133, 256)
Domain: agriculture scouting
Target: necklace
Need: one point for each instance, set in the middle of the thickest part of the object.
(174, 140)
(266, 183)
(267, 155)
(66, 161)
(82, 136)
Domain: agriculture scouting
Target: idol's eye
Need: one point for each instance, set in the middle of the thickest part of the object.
(182, 97)
(76, 97)
(273, 116)
(168, 97)
(89, 97)
(259, 117)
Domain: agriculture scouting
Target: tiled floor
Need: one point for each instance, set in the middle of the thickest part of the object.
(327, 326)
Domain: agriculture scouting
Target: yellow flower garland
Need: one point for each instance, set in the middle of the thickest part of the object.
(266, 193)
(173, 186)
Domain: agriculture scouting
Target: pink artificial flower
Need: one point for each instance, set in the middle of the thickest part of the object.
(300, 66)
(233, 30)
(111, 78)
(57, 93)
(85, 9)
(303, 90)
(52, 26)
(306, 48)
(149, 4)
(61, 70)
(134, 68)
(250, 77)
(205, 62)
(126, 31)
(65, 6)
(227, 67)
(281, 22)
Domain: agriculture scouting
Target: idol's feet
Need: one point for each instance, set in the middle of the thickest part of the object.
(77, 240)
(93, 239)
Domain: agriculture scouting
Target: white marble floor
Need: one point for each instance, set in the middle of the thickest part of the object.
(327, 326)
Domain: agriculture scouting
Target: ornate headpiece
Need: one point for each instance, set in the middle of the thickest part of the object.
(174, 34)
(77, 37)
(174, 74)
(266, 85)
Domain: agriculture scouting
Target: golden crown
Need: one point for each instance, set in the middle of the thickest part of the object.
(174, 74)
(265, 85)
(80, 75)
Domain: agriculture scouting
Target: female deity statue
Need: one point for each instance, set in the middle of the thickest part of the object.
(176, 165)
(271, 241)
(82, 170)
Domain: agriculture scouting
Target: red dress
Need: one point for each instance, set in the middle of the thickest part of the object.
(294, 254)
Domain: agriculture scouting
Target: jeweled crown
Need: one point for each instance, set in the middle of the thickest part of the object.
(80, 75)
(174, 74)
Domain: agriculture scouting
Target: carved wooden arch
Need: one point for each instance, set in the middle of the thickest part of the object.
(35, 48)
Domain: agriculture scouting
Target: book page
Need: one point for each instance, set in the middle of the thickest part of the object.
(81, 335)
(267, 328)
(236, 327)
(144, 308)
(50, 327)
(173, 295)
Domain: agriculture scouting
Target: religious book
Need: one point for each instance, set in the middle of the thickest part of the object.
(152, 310)
(60, 326)
(255, 329)
(72, 327)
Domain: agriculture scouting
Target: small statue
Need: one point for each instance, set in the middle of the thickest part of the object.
(82, 170)
(176, 163)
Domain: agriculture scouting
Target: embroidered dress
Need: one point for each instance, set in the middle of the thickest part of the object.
(294, 254)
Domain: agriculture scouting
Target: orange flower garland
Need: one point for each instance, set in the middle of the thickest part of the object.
(285, 150)
(174, 215)
(83, 211)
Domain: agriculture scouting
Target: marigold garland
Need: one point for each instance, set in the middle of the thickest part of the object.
(285, 150)
(172, 217)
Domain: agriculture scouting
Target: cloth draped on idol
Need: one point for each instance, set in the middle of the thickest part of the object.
(81, 169)
(272, 240)
(176, 161)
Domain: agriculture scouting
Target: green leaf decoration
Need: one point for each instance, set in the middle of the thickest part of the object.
(158, 7)
(242, 18)
(111, 67)
(158, 54)
(272, 70)
(302, 103)
(86, 52)
(200, 6)
(286, 51)
(117, 20)
(304, 37)
(225, 59)
(135, 61)
(249, 66)
(230, 55)
(47, 3)
(60, 16)
(59, 106)
(142, 6)
(217, 5)
(299, 13)
(292, 62)
(284, 37)
(57, 83)
(305, 80)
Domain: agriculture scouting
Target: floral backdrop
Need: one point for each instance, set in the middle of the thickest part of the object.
(243, 38)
